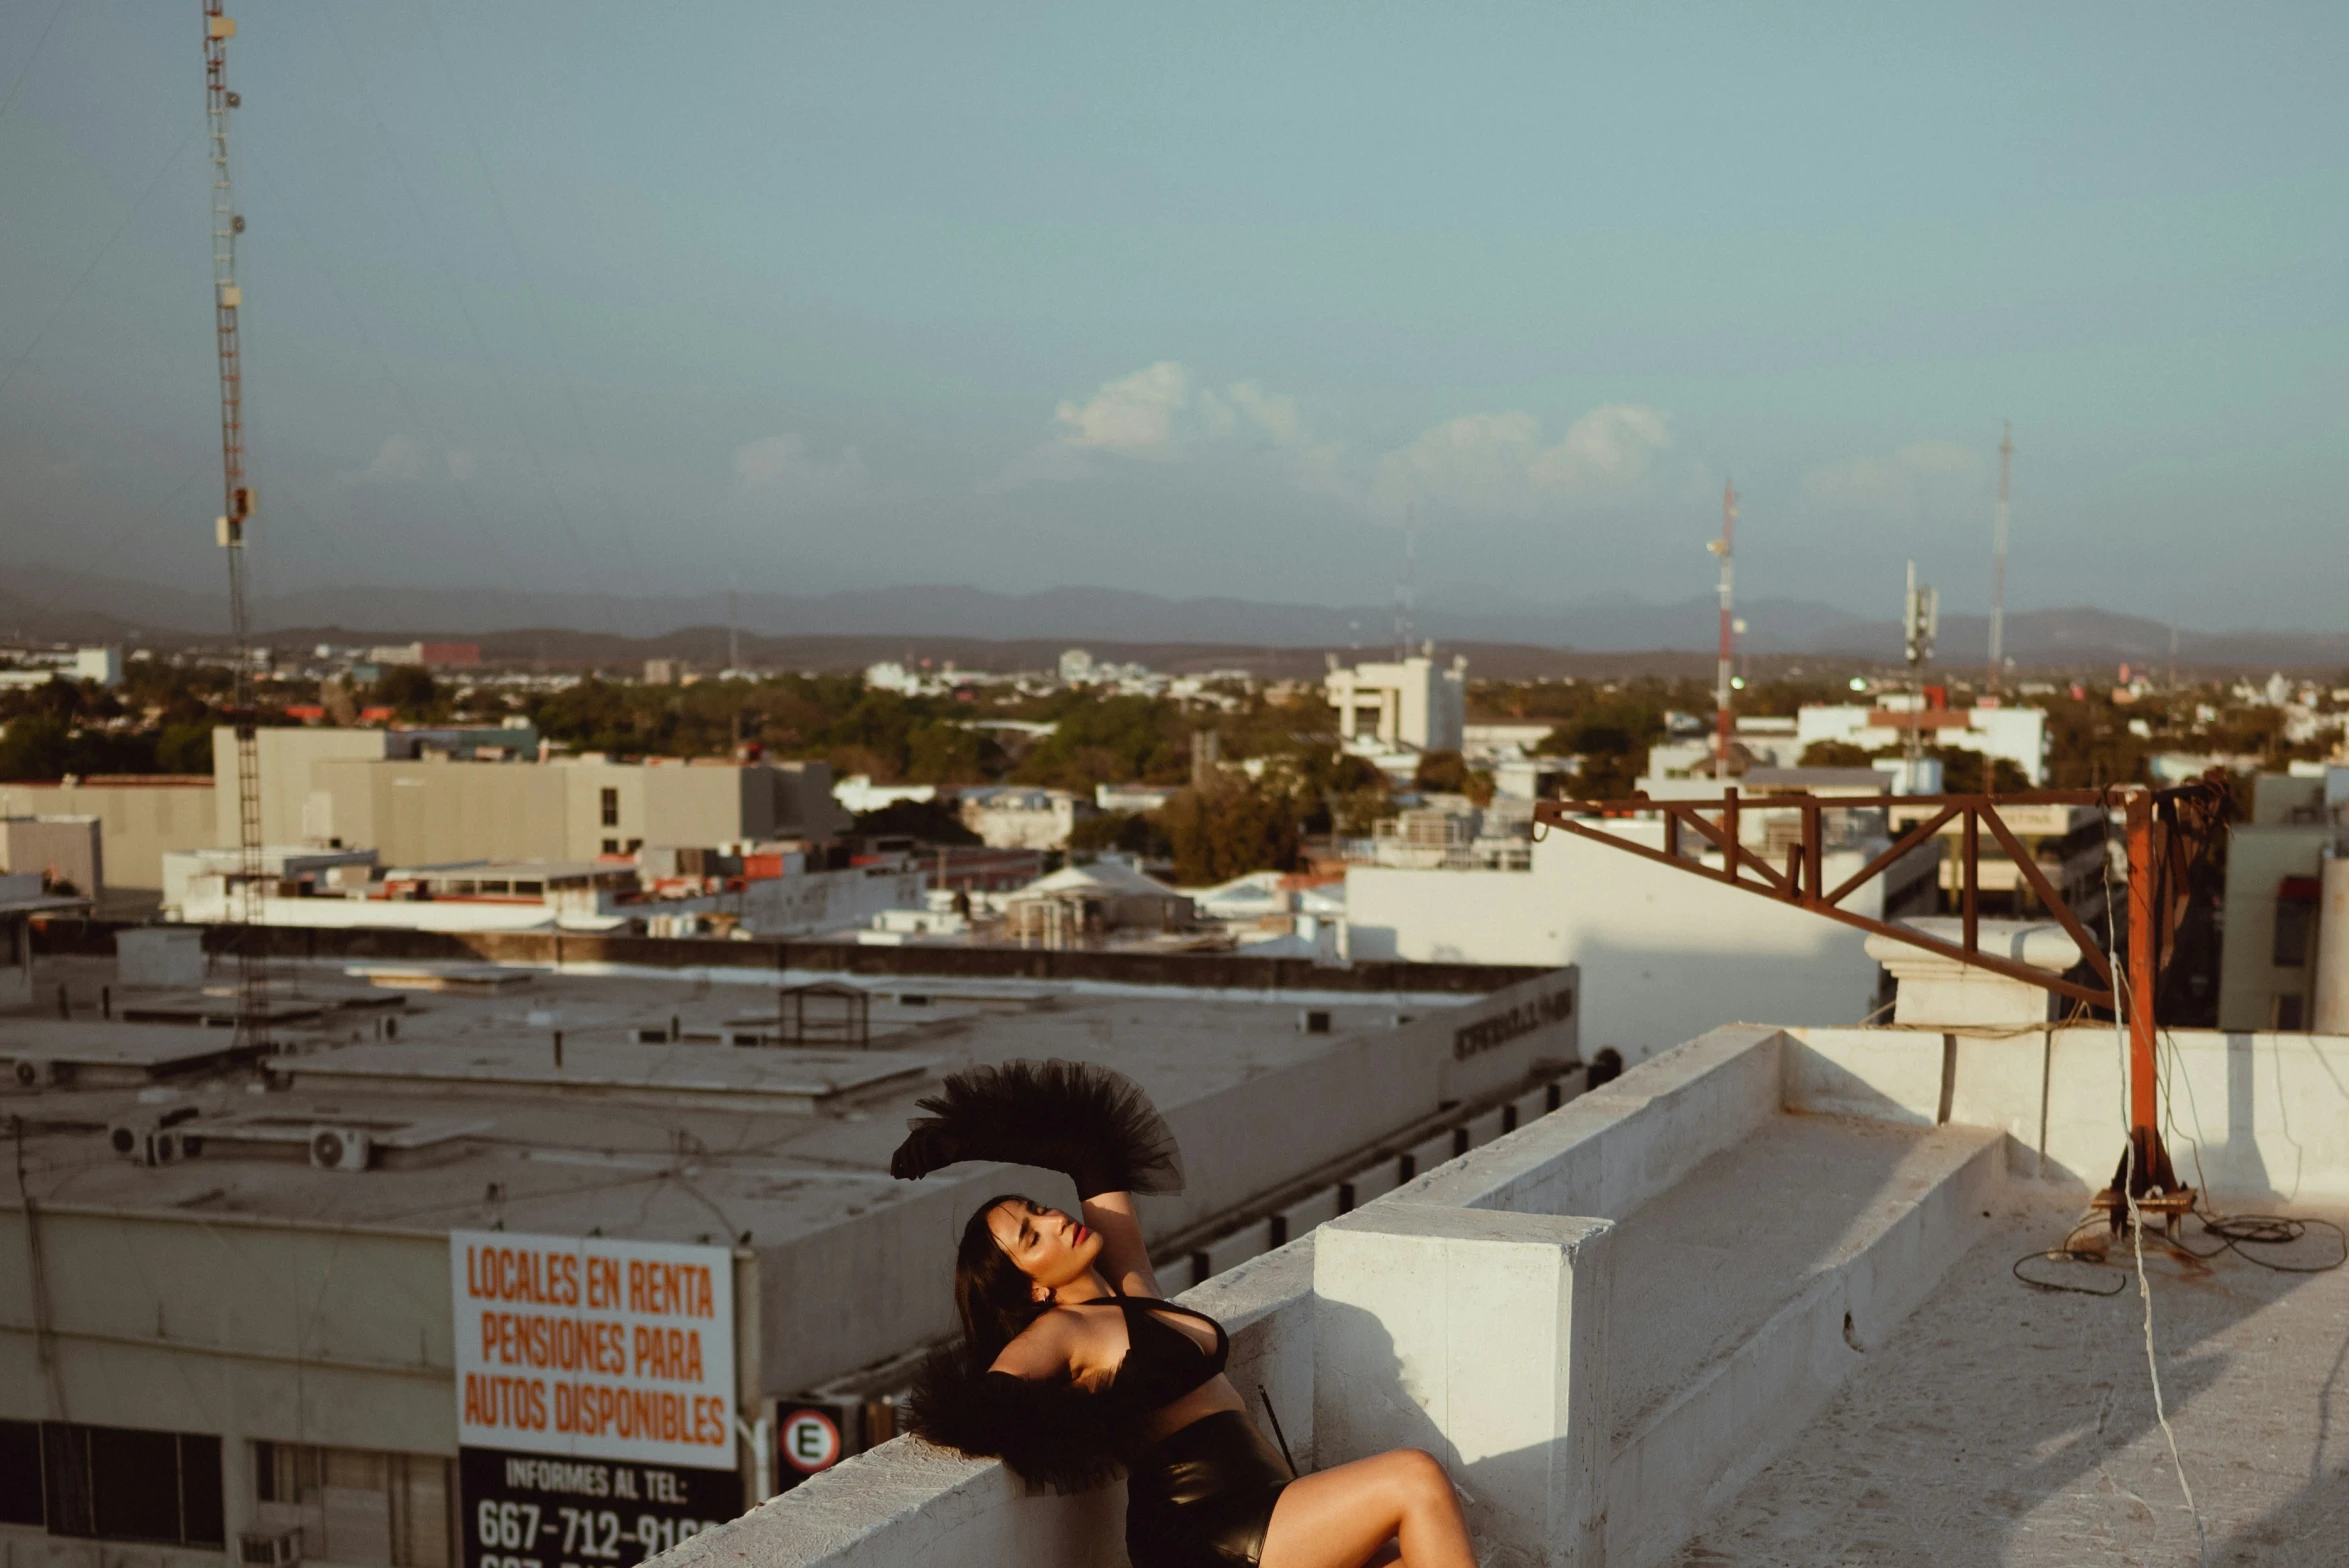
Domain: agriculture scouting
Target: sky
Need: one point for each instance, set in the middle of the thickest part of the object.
(1196, 300)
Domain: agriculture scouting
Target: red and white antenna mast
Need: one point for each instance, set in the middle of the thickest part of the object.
(244, 906)
(1723, 547)
(2006, 457)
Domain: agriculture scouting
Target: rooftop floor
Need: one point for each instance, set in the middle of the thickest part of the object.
(2003, 1424)
(691, 1141)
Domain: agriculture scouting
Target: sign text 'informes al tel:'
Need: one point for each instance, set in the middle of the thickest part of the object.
(594, 1348)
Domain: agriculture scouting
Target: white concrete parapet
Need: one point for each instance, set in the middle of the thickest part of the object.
(1940, 993)
(1481, 1338)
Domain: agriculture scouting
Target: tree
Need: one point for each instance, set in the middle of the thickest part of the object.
(1442, 772)
(1963, 772)
(410, 690)
(930, 821)
(1836, 754)
(1228, 828)
(1133, 832)
(184, 748)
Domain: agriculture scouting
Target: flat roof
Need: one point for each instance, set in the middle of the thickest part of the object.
(2004, 1424)
(686, 1141)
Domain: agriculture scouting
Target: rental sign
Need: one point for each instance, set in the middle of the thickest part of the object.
(589, 1347)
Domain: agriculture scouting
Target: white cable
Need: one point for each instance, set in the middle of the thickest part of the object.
(2120, 1013)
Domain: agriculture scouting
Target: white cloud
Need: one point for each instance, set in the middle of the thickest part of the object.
(1158, 413)
(1894, 485)
(1500, 463)
(1276, 415)
(398, 460)
(783, 464)
(1133, 415)
(406, 460)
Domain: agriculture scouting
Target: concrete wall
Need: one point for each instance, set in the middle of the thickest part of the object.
(244, 1329)
(191, 1325)
(2253, 1117)
(429, 811)
(1665, 955)
(68, 849)
(139, 820)
(435, 812)
(288, 758)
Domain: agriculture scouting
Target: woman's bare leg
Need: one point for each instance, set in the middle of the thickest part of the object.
(1342, 1518)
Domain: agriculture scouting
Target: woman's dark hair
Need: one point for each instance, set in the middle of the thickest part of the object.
(993, 1295)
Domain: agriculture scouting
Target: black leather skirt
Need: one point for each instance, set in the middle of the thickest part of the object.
(1202, 1497)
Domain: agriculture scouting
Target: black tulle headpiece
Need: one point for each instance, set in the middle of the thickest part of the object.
(1086, 1120)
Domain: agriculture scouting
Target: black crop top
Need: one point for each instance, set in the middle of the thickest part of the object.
(1162, 1363)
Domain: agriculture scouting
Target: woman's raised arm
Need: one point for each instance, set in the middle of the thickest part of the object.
(1125, 1261)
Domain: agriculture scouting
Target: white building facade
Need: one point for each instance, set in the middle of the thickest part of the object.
(1409, 704)
(1665, 954)
(2017, 734)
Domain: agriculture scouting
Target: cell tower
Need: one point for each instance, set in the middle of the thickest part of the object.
(1407, 585)
(2006, 454)
(236, 511)
(1723, 547)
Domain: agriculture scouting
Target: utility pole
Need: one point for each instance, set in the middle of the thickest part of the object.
(1724, 548)
(1920, 619)
(733, 637)
(2006, 455)
(244, 909)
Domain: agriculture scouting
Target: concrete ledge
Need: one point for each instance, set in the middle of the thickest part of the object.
(1743, 1410)
(1614, 1148)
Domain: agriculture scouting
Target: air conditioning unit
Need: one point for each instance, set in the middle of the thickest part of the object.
(37, 1072)
(148, 1143)
(270, 1549)
(341, 1148)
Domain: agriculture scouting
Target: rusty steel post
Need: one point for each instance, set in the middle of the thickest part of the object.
(1729, 832)
(2144, 1121)
(1973, 879)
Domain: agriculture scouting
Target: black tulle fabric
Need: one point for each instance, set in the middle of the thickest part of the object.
(1086, 1120)
(1055, 1434)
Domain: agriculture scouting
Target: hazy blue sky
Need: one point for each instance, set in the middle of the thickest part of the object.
(1204, 300)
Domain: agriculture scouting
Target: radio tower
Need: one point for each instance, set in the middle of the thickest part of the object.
(1407, 586)
(2006, 453)
(237, 509)
(1722, 548)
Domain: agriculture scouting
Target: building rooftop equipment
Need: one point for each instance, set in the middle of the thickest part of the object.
(789, 1081)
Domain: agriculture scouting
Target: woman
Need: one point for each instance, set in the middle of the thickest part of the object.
(1073, 1366)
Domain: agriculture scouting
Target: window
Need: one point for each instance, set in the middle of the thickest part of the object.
(2287, 1015)
(357, 1505)
(611, 846)
(2293, 918)
(111, 1483)
(20, 1473)
(611, 808)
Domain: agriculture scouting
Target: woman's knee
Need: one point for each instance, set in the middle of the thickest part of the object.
(1421, 1474)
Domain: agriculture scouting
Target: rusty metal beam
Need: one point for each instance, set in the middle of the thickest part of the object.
(2012, 970)
(2057, 905)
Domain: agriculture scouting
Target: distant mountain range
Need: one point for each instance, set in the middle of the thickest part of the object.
(51, 603)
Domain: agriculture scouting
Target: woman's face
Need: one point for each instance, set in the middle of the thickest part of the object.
(1050, 1248)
